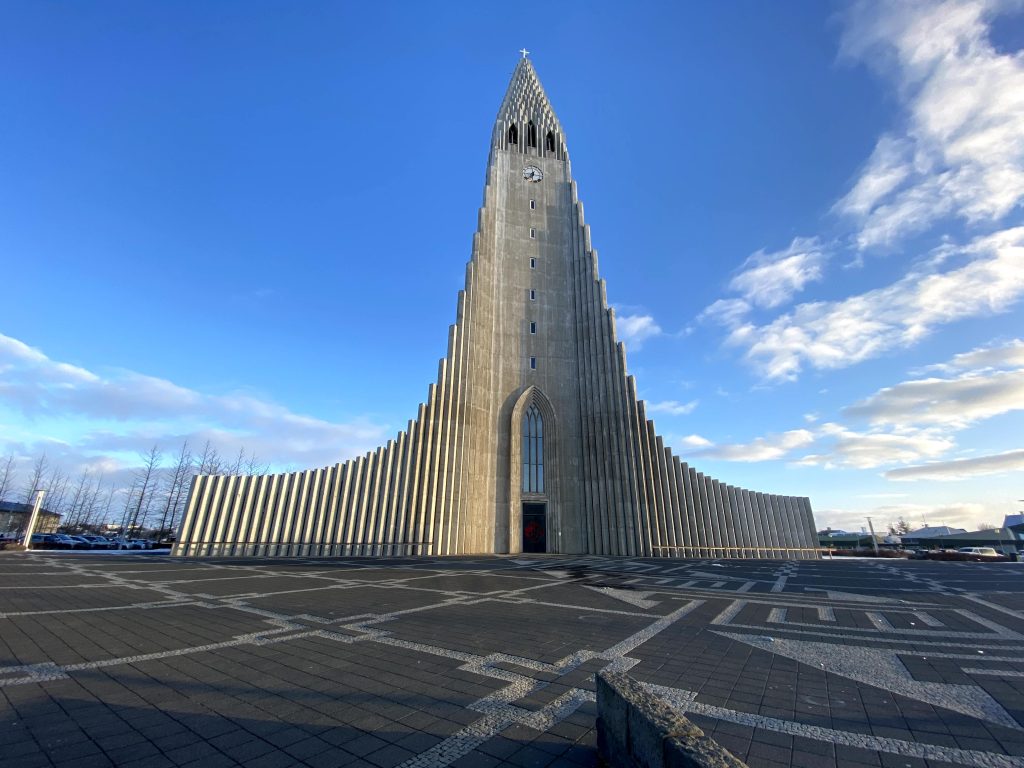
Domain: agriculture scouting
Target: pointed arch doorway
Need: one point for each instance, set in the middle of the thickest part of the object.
(533, 516)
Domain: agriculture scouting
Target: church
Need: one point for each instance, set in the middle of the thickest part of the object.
(532, 439)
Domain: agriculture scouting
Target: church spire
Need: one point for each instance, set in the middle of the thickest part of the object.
(526, 122)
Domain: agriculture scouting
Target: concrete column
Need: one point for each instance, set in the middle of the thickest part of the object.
(699, 505)
(692, 537)
(213, 513)
(185, 545)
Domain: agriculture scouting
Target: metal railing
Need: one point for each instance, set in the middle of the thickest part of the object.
(298, 549)
(760, 553)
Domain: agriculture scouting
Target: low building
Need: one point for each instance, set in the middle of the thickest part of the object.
(843, 540)
(1005, 540)
(14, 518)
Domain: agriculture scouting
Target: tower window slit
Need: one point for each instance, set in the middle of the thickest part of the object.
(533, 205)
(533, 363)
(513, 134)
(533, 233)
(549, 142)
(533, 451)
(533, 295)
(533, 327)
(531, 135)
(533, 263)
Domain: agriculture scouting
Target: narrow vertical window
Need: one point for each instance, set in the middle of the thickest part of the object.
(533, 451)
(533, 263)
(533, 233)
(549, 142)
(533, 327)
(531, 135)
(513, 134)
(533, 295)
(533, 363)
(533, 205)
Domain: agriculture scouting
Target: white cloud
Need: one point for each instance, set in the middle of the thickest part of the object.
(885, 170)
(999, 463)
(829, 335)
(1001, 356)
(694, 441)
(672, 407)
(761, 449)
(845, 447)
(727, 312)
(771, 279)
(988, 382)
(636, 329)
(960, 515)
(125, 411)
(961, 151)
(954, 402)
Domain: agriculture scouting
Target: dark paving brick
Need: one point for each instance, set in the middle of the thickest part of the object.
(285, 675)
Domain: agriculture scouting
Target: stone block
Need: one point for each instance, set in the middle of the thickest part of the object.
(638, 728)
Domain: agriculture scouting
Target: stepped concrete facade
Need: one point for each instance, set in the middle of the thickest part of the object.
(533, 438)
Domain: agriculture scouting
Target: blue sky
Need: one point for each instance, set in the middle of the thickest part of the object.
(249, 222)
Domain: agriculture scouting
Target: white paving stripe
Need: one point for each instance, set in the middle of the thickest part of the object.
(881, 623)
(777, 616)
(729, 612)
(927, 619)
(684, 701)
(639, 599)
(883, 668)
(497, 708)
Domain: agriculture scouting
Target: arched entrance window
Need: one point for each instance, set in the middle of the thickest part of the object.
(533, 451)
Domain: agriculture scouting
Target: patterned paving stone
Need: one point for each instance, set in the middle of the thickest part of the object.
(421, 663)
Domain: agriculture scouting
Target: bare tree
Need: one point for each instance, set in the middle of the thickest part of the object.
(129, 504)
(57, 491)
(109, 503)
(255, 467)
(146, 480)
(899, 528)
(235, 468)
(988, 526)
(91, 503)
(7, 475)
(35, 479)
(209, 461)
(176, 482)
(78, 498)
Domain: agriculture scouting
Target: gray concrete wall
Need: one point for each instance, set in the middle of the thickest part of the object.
(638, 729)
(451, 482)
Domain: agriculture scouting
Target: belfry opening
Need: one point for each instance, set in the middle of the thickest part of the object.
(532, 437)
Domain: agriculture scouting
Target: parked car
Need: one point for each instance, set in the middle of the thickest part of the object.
(80, 542)
(143, 543)
(980, 553)
(98, 542)
(977, 554)
(123, 543)
(51, 541)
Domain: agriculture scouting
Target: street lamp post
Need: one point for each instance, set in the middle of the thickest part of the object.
(874, 541)
(33, 518)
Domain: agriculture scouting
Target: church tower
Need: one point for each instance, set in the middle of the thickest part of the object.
(532, 439)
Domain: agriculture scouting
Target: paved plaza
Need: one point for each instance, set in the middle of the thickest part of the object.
(143, 660)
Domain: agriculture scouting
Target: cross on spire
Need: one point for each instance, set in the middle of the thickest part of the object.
(524, 52)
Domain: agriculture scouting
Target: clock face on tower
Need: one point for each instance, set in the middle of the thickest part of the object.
(533, 173)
